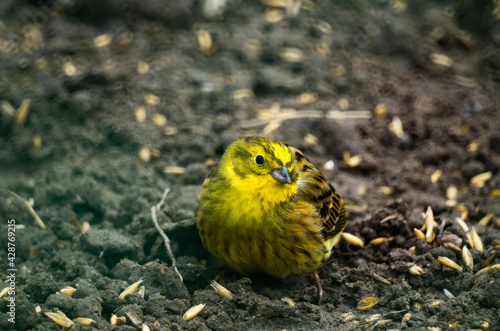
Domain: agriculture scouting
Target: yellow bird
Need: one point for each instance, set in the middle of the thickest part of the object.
(265, 208)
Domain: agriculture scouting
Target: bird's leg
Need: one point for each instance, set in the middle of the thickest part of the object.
(219, 276)
(317, 282)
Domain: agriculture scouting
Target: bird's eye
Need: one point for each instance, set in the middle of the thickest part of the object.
(259, 159)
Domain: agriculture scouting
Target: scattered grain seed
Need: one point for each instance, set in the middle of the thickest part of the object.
(381, 323)
(352, 161)
(150, 99)
(274, 15)
(142, 291)
(381, 279)
(60, 318)
(494, 193)
(85, 227)
(290, 303)
(462, 224)
(192, 312)
(373, 317)
(405, 319)
(449, 263)
(252, 47)
(453, 247)
(396, 127)
(416, 270)
(159, 119)
(463, 210)
(343, 103)
(418, 233)
(367, 303)
(307, 98)
(386, 190)
(145, 327)
(102, 40)
(68, 290)
(481, 179)
(38, 309)
(142, 68)
(84, 320)
(69, 69)
(348, 317)
(275, 3)
(476, 240)
(145, 154)
(435, 177)
(242, 94)
(174, 170)
(413, 249)
(140, 114)
(490, 259)
(448, 294)
(484, 325)
(36, 142)
(7, 108)
(486, 220)
(115, 320)
(473, 147)
(129, 290)
(352, 239)
(380, 241)
(4, 290)
(495, 243)
(204, 41)
(436, 303)
(380, 110)
(329, 165)
(310, 139)
(170, 131)
(292, 55)
(398, 6)
(22, 112)
(221, 290)
(452, 192)
(339, 71)
(442, 60)
(495, 266)
(134, 319)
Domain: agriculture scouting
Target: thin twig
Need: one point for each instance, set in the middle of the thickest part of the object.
(164, 236)
(28, 206)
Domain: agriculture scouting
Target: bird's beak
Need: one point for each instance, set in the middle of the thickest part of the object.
(281, 175)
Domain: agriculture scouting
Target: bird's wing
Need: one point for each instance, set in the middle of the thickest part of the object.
(316, 189)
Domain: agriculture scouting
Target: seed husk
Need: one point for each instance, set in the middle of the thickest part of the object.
(288, 301)
(134, 319)
(467, 258)
(418, 233)
(476, 240)
(367, 303)
(68, 290)
(416, 270)
(435, 176)
(379, 241)
(192, 312)
(352, 239)
(462, 224)
(449, 263)
(115, 320)
(430, 235)
(452, 246)
(495, 266)
(84, 320)
(490, 259)
(129, 290)
(481, 179)
(60, 318)
(221, 290)
(486, 220)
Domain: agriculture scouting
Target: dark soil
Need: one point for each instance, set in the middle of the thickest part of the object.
(76, 156)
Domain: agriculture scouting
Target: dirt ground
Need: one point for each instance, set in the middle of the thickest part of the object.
(105, 104)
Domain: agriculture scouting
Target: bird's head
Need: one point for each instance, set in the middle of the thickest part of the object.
(261, 164)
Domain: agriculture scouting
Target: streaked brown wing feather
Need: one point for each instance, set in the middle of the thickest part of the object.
(315, 187)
